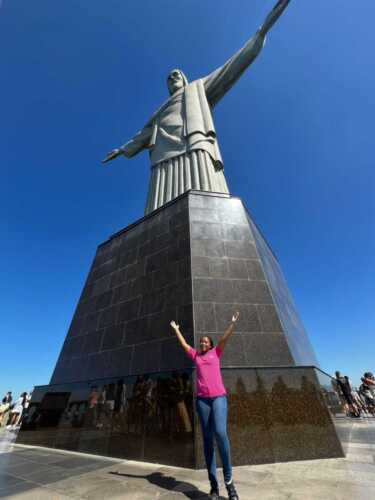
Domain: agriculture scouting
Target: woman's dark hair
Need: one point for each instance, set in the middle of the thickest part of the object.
(210, 339)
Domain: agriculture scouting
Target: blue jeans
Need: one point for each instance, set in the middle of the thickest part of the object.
(212, 414)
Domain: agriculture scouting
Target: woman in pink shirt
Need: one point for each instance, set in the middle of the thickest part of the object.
(211, 404)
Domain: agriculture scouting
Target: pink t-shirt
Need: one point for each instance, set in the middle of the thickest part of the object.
(209, 381)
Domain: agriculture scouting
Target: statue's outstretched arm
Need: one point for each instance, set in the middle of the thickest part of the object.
(139, 142)
(222, 79)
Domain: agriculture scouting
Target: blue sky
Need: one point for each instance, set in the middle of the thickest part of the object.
(80, 77)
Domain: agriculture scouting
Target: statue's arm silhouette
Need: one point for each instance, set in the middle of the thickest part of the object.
(222, 79)
(132, 147)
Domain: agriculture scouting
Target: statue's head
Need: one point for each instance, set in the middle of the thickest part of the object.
(176, 80)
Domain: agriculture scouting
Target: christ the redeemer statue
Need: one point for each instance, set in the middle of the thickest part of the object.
(180, 135)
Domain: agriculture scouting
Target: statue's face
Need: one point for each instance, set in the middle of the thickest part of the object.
(175, 81)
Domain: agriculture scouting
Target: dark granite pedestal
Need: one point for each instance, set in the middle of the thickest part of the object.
(122, 386)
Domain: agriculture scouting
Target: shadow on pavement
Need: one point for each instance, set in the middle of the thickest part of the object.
(169, 483)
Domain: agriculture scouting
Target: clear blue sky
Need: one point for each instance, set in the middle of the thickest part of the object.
(80, 77)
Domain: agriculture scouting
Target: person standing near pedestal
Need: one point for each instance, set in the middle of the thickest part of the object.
(211, 404)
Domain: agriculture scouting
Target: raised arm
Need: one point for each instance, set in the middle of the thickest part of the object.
(228, 332)
(139, 142)
(222, 79)
(180, 337)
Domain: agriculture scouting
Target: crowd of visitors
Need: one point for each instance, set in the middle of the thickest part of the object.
(357, 402)
(13, 411)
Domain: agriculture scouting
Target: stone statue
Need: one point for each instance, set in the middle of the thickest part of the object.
(180, 135)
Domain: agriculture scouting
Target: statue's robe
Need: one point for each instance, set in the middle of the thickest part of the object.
(181, 136)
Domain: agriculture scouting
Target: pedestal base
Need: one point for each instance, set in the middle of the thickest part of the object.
(122, 385)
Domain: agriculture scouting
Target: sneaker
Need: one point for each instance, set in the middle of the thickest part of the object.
(232, 493)
(214, 494)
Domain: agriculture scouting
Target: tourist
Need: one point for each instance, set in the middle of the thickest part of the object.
(5, 407)
(369, 380)
(367, 391)
(16, 411)
(26, 405)
(211, 404)
(345, 391)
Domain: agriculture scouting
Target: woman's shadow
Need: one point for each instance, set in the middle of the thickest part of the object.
(169, 483)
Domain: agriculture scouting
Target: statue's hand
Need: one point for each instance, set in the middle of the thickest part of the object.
(112, 155)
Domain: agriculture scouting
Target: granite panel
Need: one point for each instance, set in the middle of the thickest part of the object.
(247, 322)
(207, 248)
(78, 369)
(135, 270)
(108, 316)
(204, 317)
(199, 214)
(240, 249)
(153, 302)
(146, 358)
(236, 232)
(93, 341)
(179, 294)
(99, 365)
(91, 323)
(200, 266)
(234, 353)
(127, 256)
(237, 269)
(128, 310)
(166, 275)
(172, 355)
(267, 349)
(159, 323)
(253, 292)
(156, 260)
(213, 290)
(254, 270)
(269, 318)
(120, 361)
(218, 268)
(102, 285)
(206, 230)
(104, 300)
(139, 331)
(113, 336)
(123, 292)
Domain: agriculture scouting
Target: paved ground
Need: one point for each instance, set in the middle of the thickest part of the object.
(44, 474)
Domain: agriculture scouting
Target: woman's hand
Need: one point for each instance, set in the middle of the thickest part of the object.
(235, 316)
(174, 325)
(179, 336)
(228, 332)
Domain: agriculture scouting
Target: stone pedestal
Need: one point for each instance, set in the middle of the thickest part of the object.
(122, 386)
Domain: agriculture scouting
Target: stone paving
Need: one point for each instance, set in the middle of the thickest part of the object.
(46, 474)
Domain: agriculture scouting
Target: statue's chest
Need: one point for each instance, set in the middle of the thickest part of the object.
(173, 115)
